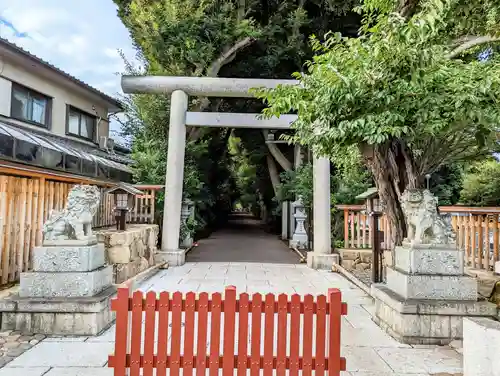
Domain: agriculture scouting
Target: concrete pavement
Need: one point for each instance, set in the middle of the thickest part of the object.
(368, 350)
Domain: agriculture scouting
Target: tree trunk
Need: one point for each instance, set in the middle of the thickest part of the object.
(242, 5)
(227, 55)
(277, 154)
(407, 8)
(393, 169)
(273, 174)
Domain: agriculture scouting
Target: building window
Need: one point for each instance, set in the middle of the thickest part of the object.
(81, 124)
(30, 106)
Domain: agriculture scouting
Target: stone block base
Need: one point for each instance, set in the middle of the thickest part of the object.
(299, 242)
(58, 316)
(481, 347)
(322, 261)
(68, 259)
(174, 258)
(76, 284)
(123, 272)
(435, 287)
(70, 242)
(424, 321)
(426, 259)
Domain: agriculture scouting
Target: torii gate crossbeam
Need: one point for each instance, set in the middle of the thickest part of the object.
(180, 88)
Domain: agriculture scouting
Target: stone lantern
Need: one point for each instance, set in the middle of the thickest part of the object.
(124, 199)
(187, 212)
(299, 238)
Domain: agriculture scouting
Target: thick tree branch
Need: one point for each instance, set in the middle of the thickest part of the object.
(277, 154)
(409, 161)
(226, 57)
(273, 174)
(477, 41)
(195, 133)
(391, 161)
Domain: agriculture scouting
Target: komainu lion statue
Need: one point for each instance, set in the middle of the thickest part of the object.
(425, 225)
(74, 222)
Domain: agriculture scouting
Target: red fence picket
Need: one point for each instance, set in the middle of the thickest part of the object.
(271, 325)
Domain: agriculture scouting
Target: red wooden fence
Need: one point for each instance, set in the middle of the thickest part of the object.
(257, 333)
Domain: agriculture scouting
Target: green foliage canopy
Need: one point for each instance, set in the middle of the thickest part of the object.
(406, 92)
(446, 183)
(396, 81)
(481, 185)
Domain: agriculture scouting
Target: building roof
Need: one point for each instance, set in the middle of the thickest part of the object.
(14, 47)
(120, 158)
(67, 146)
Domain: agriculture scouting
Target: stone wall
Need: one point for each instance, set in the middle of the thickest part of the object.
(353, 259)
(131, 251)
(361, 259)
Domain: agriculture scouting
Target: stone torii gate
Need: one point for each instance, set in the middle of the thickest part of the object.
(180, 88)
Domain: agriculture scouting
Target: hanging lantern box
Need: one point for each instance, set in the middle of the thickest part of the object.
(372, 201)
(124, 199)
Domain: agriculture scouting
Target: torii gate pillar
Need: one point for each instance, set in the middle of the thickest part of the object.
(174, 179)
(322, 256)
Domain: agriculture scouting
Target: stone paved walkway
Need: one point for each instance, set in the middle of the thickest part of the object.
(243, 240)
(369, 351)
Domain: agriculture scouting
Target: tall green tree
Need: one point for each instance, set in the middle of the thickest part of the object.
(226, 38)
(410, 92)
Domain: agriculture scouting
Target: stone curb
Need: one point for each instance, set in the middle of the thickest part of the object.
(351, 277)
(187, 250)
(143, 276)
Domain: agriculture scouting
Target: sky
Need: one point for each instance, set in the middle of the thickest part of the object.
(80, 37)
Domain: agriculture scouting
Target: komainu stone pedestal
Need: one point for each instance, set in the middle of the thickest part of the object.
(68, 292)
(86, 316)
(427, 295)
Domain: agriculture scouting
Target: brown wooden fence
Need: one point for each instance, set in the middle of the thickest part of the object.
(310, 328)
(26, 203)
(143, 212)
(477, 230)
(358, 229)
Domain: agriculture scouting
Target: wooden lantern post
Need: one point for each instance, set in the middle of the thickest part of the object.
(373, 210)
(124, 197)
